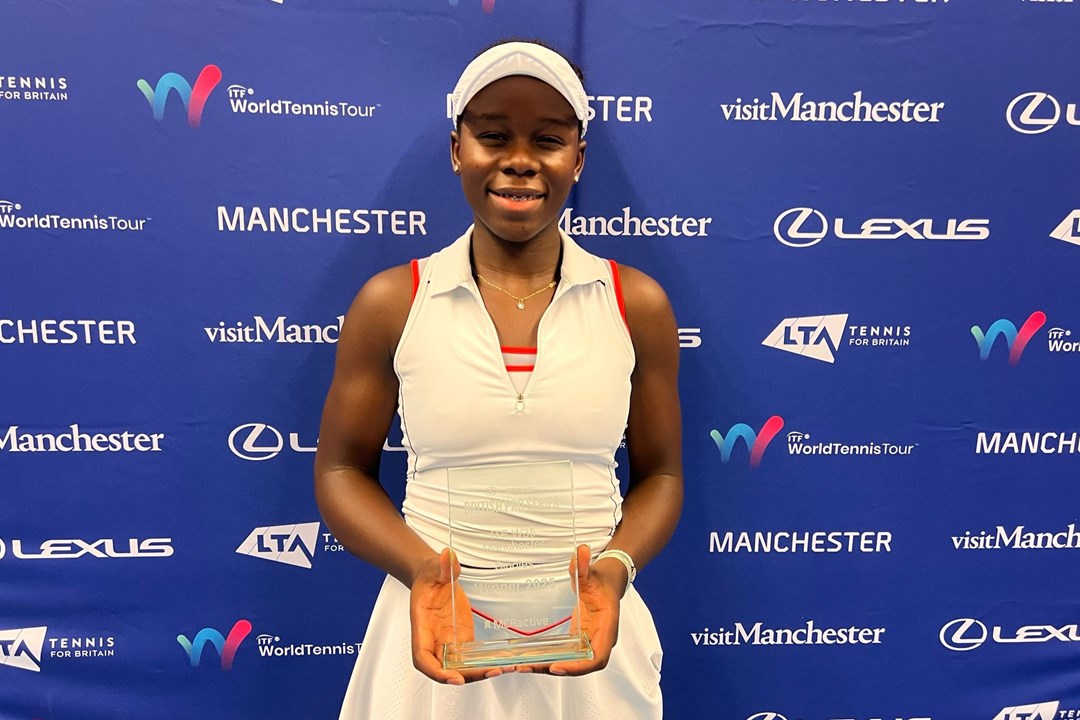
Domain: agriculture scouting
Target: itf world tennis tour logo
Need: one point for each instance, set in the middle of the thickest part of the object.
(1015, 340)
(226, 647)
(1034, 113)
(193, 97)
(487, 5)
(756, 442)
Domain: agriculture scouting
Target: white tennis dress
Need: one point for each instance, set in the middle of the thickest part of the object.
(459, 407)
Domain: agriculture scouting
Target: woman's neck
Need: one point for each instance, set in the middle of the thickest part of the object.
(537, 258)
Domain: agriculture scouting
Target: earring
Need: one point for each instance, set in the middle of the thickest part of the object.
(577, 177)
(457, 169)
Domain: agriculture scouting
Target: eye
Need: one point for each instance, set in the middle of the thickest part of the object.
(491, 137)
(550, 140)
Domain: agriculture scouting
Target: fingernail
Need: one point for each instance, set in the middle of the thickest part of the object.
(558, 671)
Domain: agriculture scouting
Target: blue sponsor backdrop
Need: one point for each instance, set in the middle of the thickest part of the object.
(875, 186)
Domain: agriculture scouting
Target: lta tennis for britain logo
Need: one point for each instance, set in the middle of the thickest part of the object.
(1016, 340)
(756, 442)
(193, 97)
(226, 647)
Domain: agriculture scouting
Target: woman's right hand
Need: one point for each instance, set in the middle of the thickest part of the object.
(436, 604)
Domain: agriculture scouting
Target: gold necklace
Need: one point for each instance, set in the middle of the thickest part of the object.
(520, 300)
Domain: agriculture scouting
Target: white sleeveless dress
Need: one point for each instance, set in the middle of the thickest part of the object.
(459, 407)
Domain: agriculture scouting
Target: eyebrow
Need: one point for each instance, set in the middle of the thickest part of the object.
(500, 117)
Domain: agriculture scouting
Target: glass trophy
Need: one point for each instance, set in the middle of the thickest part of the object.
(513, 530)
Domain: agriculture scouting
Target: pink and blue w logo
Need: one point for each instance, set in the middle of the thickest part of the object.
(226, 647)
(194, 98)
(756, 442)
(489, 5)
(1016, 340)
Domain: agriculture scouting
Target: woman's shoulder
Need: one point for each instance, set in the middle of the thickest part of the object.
(642, 295)
(387, 289)
(378, 312)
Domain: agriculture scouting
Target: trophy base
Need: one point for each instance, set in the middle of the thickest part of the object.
(517, 651)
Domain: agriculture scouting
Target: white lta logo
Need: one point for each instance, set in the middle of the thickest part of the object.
(21, 648)
(288, 544)
(1068, 229)
(1038, 711)
(816, 337)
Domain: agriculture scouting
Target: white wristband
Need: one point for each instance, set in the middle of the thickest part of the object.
(624, 558)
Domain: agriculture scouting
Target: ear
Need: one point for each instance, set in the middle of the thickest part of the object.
(580, 164)
(455, 148)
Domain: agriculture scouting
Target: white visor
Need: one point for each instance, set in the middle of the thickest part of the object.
(521, 58)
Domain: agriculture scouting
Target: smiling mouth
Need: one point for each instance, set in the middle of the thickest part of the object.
(517, 196)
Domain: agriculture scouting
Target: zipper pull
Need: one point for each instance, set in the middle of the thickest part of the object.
(520, 404)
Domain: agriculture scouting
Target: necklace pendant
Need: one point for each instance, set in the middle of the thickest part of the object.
(521, 304)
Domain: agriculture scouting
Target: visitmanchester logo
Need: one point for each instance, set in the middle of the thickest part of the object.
(74, 439)
(627, 224)
(276, 330)
(807, 634)
(193, 97)
(756, 442)
(1015, 340)
(797, 108)
(1018, 538)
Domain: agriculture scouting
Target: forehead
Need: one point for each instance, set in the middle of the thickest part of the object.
(521, 97)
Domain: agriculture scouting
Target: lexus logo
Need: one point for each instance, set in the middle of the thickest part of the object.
(1021, 113)
(245, 441)
(963, 634)
(792, 232)
(767, 716)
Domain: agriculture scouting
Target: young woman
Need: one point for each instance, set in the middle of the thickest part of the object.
(511, 345)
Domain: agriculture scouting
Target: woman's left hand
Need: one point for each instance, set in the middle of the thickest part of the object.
(597, 614)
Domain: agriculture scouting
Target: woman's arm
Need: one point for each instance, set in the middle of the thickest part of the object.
(359, 408)
(654, 498)
(654, 440)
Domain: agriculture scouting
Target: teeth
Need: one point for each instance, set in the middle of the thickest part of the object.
(517, 198)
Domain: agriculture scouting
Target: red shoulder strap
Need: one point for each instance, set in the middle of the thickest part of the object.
(618, 291)
(415, 264)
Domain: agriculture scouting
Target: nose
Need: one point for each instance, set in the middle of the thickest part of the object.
(520, 158)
